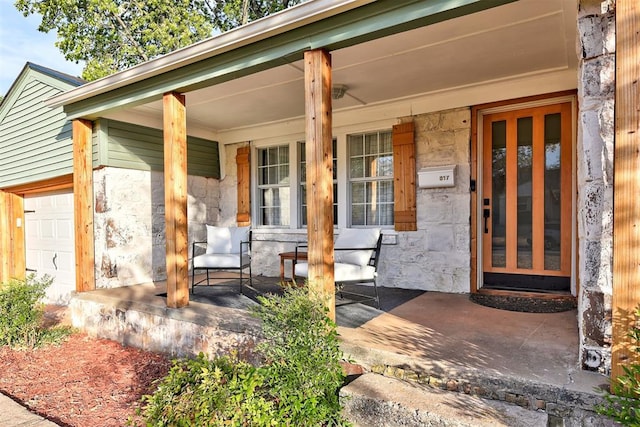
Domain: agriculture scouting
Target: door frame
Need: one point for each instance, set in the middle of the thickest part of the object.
(477, 115)
(12, 237)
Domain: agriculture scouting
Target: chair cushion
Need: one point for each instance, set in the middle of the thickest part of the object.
(226, 240)
(356, 238)
(220, 261)
(341, 272)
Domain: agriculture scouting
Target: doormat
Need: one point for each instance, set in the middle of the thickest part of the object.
(525, 304)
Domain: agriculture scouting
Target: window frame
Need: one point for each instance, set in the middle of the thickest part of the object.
(259, 217)
(343, 198)
(369, 179)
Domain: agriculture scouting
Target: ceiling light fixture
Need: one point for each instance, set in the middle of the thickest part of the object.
(338, 91)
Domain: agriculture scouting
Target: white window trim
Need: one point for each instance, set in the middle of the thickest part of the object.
(340, 134)
(255, 195)
(364, 179)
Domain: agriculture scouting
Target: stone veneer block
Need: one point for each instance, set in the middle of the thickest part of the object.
(176, 332)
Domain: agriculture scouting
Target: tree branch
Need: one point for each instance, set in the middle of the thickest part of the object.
(129, 37)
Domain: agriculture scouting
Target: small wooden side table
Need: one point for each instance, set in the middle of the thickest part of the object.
(291, 256)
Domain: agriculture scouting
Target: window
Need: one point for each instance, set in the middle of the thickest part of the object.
(363, 182)
(371, 178)
(273, 186)
(303, 182)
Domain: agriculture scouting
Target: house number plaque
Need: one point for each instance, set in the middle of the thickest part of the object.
(437, 176)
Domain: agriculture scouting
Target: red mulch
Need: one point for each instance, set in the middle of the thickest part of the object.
(82, 382)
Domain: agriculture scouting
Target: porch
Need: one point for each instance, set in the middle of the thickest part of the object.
(428, 339)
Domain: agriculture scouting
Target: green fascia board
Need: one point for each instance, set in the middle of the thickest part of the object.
(366, 23)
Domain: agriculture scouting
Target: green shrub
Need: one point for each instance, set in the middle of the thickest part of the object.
(297, 385)
(302, 355)
(623, 405)
(202, 392)
(21, 313)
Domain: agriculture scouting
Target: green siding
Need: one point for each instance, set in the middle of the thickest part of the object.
(125, 145)
(35, 140)
(203, 157)
(134, 147)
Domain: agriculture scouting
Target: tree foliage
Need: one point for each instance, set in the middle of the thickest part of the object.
(234, 13)
(113, 35)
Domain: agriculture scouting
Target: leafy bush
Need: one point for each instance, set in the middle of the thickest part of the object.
(623, 405)
(302, 354)
(21, 313)
(297, 385)
(202, 392)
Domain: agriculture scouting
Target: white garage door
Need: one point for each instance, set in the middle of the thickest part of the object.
(49, 240)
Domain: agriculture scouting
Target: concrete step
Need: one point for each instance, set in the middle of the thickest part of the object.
(568, 400)
(374, 400)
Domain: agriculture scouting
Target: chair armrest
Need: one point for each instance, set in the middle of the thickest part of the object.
(299, 245)
(195, 245)
(247, 244)
(355, 249)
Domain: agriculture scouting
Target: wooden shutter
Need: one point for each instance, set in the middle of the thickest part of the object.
(404, 170)
(244, 178)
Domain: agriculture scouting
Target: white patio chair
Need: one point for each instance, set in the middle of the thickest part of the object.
(227, 249)
(357, 251)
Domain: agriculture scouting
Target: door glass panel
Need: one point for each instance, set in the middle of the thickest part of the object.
(552, 200)
(525, 174)
(498, 192)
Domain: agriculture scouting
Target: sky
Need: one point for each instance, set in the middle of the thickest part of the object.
(21, 42)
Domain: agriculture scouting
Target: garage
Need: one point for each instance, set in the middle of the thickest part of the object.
(49, 241)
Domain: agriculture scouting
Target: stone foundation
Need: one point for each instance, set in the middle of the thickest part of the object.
(152, 326)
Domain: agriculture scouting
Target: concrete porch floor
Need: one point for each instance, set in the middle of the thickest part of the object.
(441, 339)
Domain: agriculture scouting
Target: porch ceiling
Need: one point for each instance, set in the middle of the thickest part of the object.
(522, 38)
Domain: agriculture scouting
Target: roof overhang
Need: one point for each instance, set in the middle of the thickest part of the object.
(273, 41)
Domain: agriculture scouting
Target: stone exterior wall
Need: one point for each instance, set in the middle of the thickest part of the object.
(203, 206)
(129, 223)
(229, 186)
(437, 256)
(596, 91)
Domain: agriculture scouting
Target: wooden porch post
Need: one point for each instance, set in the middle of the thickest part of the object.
(175, 199)
(16, 226)
(12, 256)
(4, 237)
(83, 204)
(626, 207)
(319, 152)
